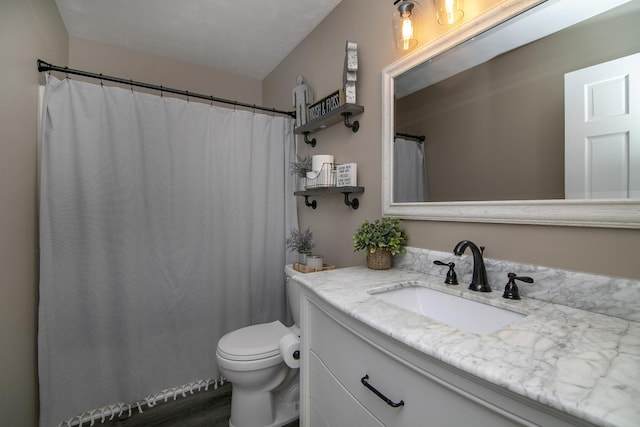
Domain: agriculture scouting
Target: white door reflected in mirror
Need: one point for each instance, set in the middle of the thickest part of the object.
(602, 130)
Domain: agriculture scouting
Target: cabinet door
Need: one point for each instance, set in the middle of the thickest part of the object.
(330, 404)
(428, 401)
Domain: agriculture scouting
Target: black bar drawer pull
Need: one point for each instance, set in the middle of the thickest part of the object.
(389, 402)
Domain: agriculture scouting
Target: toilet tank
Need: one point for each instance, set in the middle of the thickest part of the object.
(293, 297)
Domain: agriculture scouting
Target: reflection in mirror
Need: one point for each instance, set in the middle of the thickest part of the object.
(410, 175)
(496, 131)
(493, 113)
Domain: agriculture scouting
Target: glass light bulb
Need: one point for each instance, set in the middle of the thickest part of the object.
(407, 32)
(406, 24)
(450, 11)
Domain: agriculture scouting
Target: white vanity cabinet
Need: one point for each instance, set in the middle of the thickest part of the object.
(338, 351)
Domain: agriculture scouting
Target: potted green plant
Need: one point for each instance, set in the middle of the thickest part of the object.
(301, 242)
(381, 240)
(300, 167)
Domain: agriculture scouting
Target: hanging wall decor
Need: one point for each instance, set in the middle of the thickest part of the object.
(349, 76)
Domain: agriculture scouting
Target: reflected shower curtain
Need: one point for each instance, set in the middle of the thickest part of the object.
(409, 174)
(162, 227)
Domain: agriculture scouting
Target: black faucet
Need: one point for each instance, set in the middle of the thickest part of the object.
(479, 280)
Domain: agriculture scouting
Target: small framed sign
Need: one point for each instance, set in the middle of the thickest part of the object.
(326, 105)
(346, 175)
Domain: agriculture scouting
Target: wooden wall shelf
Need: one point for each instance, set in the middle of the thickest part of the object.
(313, 192)
(342, 113)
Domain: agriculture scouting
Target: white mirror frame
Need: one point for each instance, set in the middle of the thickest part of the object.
(611, 213)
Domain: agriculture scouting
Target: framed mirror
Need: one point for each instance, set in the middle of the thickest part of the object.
(441, 91)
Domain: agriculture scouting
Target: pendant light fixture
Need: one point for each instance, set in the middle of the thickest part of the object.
(448, 11)
(406, 18)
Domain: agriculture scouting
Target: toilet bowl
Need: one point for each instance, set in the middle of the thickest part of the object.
(265, 391)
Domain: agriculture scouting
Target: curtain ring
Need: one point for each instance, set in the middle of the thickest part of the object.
(101, 82)
(131, 83)
(211, 100)
(187, 92)
(161, 92)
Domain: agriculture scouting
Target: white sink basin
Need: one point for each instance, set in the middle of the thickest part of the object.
(467, 315)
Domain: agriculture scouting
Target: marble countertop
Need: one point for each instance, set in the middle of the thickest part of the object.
(579, 362)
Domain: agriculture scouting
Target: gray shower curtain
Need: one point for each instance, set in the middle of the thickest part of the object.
(409, 172)
(162, 227)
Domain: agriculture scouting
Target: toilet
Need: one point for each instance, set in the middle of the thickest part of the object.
(265, 390)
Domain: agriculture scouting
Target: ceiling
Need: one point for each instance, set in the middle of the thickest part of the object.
(248, 37)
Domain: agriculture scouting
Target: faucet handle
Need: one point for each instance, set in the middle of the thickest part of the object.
(451, 278)
(511, 289)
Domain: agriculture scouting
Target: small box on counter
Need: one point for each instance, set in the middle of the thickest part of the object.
(347, 175)
(306, 269)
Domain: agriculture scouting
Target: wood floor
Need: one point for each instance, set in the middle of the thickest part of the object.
(204, 409)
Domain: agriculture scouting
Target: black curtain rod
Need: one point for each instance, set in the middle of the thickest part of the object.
(44, 66)
(420, 138)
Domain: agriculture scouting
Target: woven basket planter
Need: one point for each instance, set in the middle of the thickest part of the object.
(381, 259)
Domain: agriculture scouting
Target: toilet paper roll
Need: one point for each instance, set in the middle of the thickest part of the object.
(289, 347)
(319, 160)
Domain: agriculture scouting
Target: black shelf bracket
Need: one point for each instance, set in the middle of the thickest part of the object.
(313, 204)
(311, 142)
(354, 203)
(314, 192)
(354, 126)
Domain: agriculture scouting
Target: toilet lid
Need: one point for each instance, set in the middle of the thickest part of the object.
(253, 342)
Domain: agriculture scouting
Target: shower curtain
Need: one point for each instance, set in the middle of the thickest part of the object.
(409, 173)
(162, 227)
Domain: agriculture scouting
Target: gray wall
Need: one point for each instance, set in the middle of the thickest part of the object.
(29, 29)
(319, 58)
(126, 63)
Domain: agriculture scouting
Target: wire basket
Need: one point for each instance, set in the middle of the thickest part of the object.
(325, 177)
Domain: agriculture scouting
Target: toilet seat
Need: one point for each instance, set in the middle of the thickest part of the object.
(253, 343)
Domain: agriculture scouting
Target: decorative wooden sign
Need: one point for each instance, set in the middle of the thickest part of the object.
(347, 175)
(326, 105)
